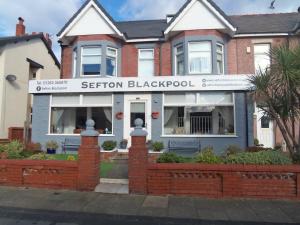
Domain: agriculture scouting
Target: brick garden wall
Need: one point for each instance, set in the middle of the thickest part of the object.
(39, 174)
(219, 181)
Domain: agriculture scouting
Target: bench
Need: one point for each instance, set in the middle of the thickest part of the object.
(184, 147)
(71, 144)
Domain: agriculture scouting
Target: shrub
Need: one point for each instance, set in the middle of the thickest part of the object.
(256, 142)
(52, 145)
(269, 157)
(232, 150)
(170, 157)
(41, 156)
(257, 149)
(14, 150)
(207, 156)
(71, 158)
(157, 146)
(109, 145)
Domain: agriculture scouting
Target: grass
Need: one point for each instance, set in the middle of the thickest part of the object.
(105, 167)
(64, 156)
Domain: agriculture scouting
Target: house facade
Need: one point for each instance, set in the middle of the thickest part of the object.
(186, 76)
(23, 57)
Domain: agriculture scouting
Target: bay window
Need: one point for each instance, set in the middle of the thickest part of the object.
(200, 57)
(91, 61)
(111, 61)
(69, 113)
(220, 59)
(179, 60)
(199, 114)
(146, 63)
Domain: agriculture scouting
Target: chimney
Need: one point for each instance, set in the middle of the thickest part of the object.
(20, 27)
(48, 39)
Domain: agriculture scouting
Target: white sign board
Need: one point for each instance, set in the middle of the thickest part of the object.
(155, 84)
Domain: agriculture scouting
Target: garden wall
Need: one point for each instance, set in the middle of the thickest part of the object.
(219, 181)
(39, 174)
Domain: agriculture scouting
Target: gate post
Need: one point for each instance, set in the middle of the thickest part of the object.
(138, 160)
(88, 158)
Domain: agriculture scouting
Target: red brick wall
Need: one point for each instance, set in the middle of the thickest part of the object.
(66, 62)
(39, 174)
(267, 182)
(129, 61)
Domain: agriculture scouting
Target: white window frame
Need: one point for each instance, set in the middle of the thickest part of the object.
(75, 60)
(81, 59)
(146, 59)
(80, 105)
(223, 57)
(260, 54)
(211, 57)
(182, 104)
(176, 57)
(110, 56)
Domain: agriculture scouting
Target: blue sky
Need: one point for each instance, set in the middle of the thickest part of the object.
(50, 15)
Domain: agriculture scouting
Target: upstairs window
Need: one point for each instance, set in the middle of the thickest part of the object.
(220, 58)
(146, 63)
(74, 62)
(179, 60)
(91, 61)
(111, 61)
(262, 58)
(200, 57)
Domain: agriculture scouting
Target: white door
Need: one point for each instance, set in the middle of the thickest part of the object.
(137, 106)
(265, 130)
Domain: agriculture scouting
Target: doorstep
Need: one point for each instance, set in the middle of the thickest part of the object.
(113, 186)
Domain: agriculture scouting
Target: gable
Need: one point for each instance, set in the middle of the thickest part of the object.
(200, 14)
(91, 22)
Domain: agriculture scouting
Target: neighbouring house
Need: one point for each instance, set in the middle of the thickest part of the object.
(185, 76)
(23, 57)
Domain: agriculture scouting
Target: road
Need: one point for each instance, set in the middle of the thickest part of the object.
(18, 216)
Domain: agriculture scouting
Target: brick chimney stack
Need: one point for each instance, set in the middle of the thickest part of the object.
(20, 27)
(48, 39)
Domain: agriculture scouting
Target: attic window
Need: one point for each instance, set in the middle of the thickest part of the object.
(91, 61)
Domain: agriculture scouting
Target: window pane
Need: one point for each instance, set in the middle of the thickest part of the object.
(103, 119)
(91, 51)
(200, 62)
(137, 111)
(146, 68)
(262, 58)
(65, 100)
(215, 98)
(212, 120)
(146, 54)
(91, 99)
(200, 46)
(112, 52)
(111, 66)
(188, 98)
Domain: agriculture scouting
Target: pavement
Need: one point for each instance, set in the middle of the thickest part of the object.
(16, 203)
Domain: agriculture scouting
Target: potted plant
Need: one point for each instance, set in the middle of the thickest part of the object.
(123, 144)
(157, 146)
(119, 115)
(51, 146)
(109, 145)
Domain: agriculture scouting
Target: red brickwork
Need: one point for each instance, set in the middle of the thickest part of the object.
(218, 181)
(88, 163)
(137, 166)
(16, 133)
(129, 61)
(66, 62)
(39, 174)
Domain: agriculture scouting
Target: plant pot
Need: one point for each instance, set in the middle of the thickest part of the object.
(123, 145)
(51, 151)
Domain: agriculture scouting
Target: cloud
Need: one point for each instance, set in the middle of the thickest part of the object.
(40, 16)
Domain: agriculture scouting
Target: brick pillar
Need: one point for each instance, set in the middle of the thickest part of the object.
(138, 160)
(88, 158)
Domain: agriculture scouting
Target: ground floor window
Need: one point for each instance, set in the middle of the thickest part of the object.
(199, 114)
(69, 113)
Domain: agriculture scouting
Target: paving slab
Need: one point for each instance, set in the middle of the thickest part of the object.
(180, 207)
(112, 188)
(156, 202)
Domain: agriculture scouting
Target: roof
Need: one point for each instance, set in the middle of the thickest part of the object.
(266, 23)
(15, 39)
(143, 29)
(245, 24)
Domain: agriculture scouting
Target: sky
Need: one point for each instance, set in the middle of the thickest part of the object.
(50, 15)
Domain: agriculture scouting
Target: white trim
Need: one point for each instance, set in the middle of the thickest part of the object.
(223, 56)
(145, 40)
(78, 17)
(116, 59)
(176, 58)
(214, 11)
(261, 35)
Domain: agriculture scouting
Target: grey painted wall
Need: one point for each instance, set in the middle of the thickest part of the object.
(40, 121)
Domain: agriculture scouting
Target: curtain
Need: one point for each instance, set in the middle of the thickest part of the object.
(168, 114)
(56, 117)
(108, 114)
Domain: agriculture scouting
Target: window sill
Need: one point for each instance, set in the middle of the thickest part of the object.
(199, 136)
(77, 135)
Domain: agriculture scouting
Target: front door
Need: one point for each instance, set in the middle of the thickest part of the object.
(136, 106)
(265, 130)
